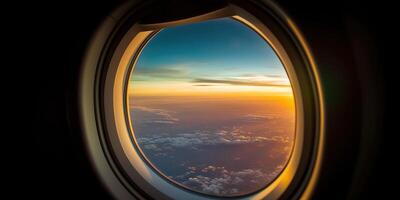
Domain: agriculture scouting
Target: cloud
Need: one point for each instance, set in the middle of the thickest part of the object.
(163, 72)
(172, 141)
(241, 82)
(218, 180)
(160, 116)
(258, 118)
(221, 137)
(265, 76)
(204, 85)
(196, 139)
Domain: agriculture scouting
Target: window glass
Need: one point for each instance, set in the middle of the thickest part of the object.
(212, 108)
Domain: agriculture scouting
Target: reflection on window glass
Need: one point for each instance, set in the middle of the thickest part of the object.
(212, 108)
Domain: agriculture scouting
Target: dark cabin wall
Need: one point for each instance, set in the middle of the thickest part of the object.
(50, 40)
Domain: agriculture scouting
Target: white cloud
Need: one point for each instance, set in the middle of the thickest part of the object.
(257, 117)
(218, 180)
(234, 136)
(161, 116)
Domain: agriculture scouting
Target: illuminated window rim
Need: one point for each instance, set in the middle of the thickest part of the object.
(137, 158)
(136, 56)
(115, 121)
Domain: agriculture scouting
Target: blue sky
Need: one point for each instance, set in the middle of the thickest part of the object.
(209, 53)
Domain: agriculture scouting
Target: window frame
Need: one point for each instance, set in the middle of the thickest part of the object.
(123, 157)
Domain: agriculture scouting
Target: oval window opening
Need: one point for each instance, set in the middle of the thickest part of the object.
(211, 108)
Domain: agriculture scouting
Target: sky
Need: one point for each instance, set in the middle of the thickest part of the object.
(220, 56)
(211, 107)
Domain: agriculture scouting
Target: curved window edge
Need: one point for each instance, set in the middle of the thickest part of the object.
(114, 124)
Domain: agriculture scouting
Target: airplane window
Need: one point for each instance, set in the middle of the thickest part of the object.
(211, 108)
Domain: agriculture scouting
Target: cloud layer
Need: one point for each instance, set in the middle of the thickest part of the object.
(218, 180)
(228, 137)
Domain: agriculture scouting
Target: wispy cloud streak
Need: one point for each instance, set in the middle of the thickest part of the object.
(240, 82)
(164, 72)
